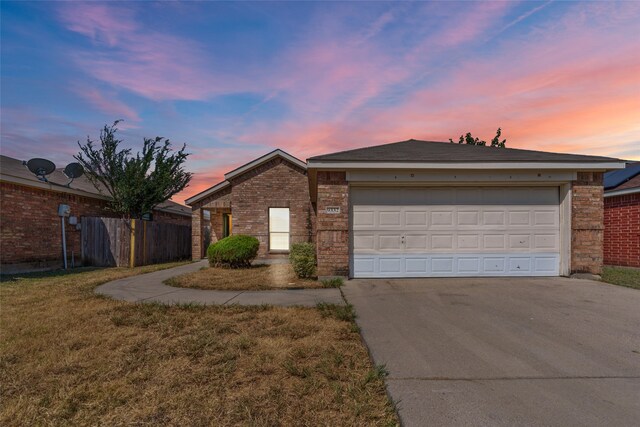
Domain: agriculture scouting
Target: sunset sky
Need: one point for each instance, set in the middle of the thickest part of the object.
(236, 80)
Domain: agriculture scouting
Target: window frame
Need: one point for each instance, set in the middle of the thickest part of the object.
(269, 232)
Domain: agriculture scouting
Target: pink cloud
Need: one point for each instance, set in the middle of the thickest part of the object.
(107, 103)
(147, 62)
(557, 90)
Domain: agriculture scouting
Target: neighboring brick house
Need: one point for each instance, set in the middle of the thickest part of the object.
(30, 230)
(622, 216)
(267, 198)
(419, 209)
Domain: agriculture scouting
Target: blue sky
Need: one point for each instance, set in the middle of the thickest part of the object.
(236, 80)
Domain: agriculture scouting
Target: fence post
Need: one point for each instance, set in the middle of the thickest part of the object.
(132, 245)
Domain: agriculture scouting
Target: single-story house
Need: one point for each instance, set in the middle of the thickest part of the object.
(419, 209)
(30, 229)
(267, 198)
(622, 216)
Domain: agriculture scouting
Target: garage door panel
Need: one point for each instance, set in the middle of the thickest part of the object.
(389, 218)
(364, 242)
(363, 219)
(519, 241)
(442, 265)
(390, 265)
(545, 217)
(493, 217)
(416, 242)
(364, 267)
(469, 265)
(546, 241)
(496, 231)
(416, 219)
(389, 242)
(546, 264)
(441, 218)
(494, 265)
(415, 266)
(519, 265)
(519, 218)
(468, 217)
(468, 241)
(442, 242)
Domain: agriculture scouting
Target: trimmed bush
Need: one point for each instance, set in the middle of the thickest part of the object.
(303, 259)
(234, 251)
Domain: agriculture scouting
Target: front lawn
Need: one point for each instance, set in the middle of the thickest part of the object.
(623, 276)
(69, 357)
(257, 277)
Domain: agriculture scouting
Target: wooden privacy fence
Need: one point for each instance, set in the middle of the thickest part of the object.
(108, 242)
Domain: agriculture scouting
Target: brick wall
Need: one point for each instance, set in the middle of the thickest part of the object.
(30, 229)
(211, 203)
(622, 230)
(332, 230)
(275, 184)
(587, 223)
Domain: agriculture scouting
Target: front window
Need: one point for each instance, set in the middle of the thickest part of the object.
(279, 229)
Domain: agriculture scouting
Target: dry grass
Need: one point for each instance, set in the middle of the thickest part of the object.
(70, 357)
(258, 277)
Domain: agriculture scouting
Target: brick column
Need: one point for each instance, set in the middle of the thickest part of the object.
(587, 223)
(332, 229)
(196, 234)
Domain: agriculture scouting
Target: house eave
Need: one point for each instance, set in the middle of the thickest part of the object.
(623, 192)
(575, 166)
(206, 193)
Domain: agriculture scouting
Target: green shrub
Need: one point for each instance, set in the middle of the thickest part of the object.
(234, 251)
(303, 259)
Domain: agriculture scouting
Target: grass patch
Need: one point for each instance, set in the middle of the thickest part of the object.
(257, 277)
(334, 282)
(68, 357)
(623, 276)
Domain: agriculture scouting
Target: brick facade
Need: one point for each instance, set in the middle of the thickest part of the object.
(216, 204)
(30, 229)
(622, 230)
(332, 230)
(274, 184)
(587, 223)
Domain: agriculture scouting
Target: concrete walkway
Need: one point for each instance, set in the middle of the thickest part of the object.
(150, 288)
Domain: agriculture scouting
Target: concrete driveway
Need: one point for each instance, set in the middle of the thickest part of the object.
(504, 351)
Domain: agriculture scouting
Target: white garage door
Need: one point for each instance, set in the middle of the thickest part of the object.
(455, 231)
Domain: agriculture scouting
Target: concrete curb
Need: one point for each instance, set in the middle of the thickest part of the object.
(150, 288)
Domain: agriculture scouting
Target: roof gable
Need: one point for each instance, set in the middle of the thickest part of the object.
(244, 169)
(432, 151)
(264, 159)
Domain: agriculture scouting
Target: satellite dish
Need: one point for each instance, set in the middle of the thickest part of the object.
(73, 171)
(40, 168)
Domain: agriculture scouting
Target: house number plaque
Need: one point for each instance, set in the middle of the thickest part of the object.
(332, 210)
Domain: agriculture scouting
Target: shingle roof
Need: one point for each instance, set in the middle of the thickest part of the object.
(10, 167)
(616, 178)
(432, 151)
